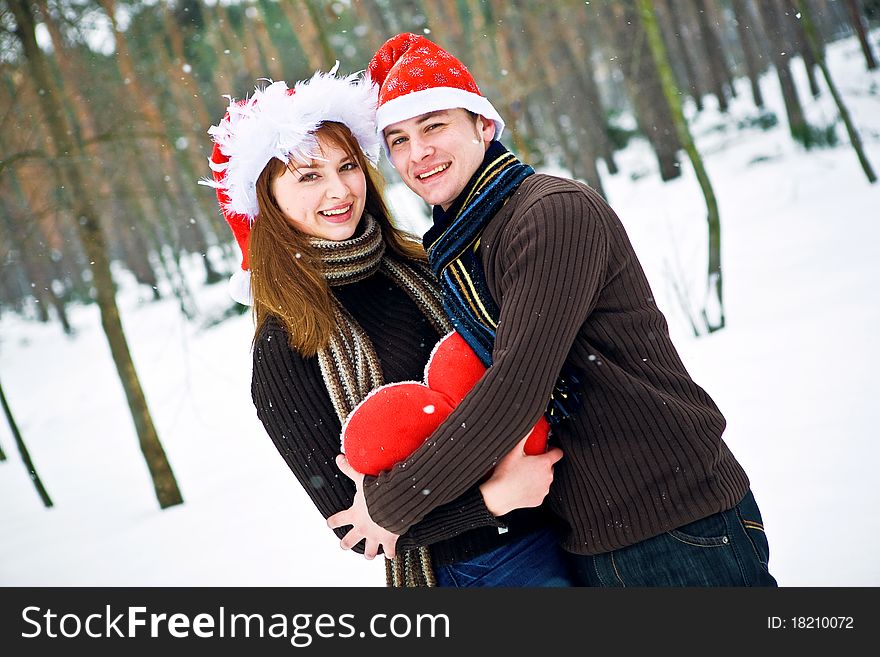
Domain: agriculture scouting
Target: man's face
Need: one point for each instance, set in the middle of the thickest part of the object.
(437, 153)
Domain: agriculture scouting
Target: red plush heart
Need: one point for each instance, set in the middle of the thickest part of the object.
(453, 367)
(394, 419)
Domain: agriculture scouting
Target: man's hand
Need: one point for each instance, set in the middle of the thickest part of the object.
(357, 515)
(519, 480)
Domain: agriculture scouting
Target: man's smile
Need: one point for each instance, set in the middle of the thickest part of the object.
(432, 172)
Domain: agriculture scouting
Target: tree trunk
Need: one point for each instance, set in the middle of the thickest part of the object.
(799, 39)
(313, 27)
(271, 57)
(136, 261)
(23, 257)
(303, 32)
(580, 158)
(714, 54)
(246, 41)
(32, 253)
(581, 63)
(813, 42)
(130, 247)
(200, 119)
(445, 22)
(686, 13)
(92, 238)
(645, 90)
(149, 111)
(196, 236)
(240, 67)
(174, 201)
(22, 449)
(682, 66)
(718, 19)
(797, 122)
(139, 206)
(486, 58)
(750, 47)
(522, 129)
(658, 51)
(686, 34)
(858, 22)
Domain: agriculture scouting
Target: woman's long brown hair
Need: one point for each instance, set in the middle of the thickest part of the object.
(287, 278)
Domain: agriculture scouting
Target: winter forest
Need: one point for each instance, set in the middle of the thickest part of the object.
(113, 261)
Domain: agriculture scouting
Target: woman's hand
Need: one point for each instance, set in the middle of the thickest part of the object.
(519, 480)
(358, 516)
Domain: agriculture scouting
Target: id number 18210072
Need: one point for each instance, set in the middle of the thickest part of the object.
(810, 623)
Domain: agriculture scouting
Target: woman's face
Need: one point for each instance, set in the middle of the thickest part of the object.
(325, 197)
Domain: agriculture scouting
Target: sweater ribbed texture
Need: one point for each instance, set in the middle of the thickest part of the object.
(644, 452)
(294, 406)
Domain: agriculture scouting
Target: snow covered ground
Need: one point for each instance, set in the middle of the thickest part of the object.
(795, 373)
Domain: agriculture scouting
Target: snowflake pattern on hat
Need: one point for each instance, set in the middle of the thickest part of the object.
(416, 76)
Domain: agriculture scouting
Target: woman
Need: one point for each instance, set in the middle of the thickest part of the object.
(344, 302)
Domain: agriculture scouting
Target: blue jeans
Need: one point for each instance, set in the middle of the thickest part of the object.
(725, 549)
(533, 560)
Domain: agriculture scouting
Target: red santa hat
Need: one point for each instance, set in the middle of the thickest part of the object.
(416, 76)
(280, 122)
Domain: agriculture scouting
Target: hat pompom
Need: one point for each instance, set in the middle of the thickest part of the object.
(240, 287)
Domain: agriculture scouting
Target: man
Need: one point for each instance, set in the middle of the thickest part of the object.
(540, 278)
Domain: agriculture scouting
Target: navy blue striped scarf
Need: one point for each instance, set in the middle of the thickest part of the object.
(453, 244)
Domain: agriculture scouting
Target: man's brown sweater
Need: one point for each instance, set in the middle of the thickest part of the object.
(643, 452)
(292, 402)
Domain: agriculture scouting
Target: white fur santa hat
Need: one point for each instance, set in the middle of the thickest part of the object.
(280, 122)
(416, 76)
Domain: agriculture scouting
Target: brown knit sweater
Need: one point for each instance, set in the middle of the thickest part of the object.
(294, 406)
(643, 453)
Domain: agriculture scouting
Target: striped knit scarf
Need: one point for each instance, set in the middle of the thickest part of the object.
(349, 364)
(453, 244)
